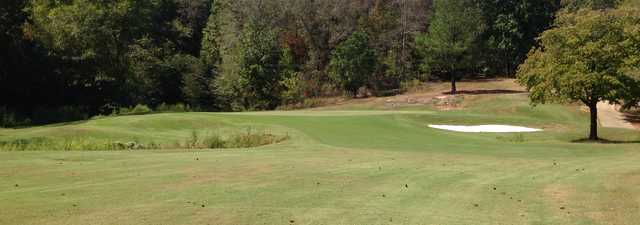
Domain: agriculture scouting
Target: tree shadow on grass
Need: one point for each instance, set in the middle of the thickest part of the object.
(485, 92)
(604, 141)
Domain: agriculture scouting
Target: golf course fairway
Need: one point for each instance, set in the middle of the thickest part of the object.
(346, 166)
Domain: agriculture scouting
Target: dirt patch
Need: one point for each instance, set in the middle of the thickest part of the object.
(610, 116)
(448, 102)
(559, 194)
(430, 96)
(194, 176)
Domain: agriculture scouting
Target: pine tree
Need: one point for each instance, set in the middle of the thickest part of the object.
(449, 43)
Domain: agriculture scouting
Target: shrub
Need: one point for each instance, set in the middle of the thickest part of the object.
(214, 141)
(293, 89)
(139, 109)
(180, 107)
(251, 139)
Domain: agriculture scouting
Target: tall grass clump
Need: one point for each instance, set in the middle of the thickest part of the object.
(68, 144)
(247, 139)
(250, 139)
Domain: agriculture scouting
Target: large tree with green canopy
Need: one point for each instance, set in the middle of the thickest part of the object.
(449, 44)
(589, 57)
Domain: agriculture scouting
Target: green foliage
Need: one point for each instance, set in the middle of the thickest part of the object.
(196, 89)
(391, 73)
(353, 63)
(574, 5)
(251, 72)
(9, 118)
(210, 53)
(585, 58)
(448, 46)
(292, 82)
(259, 64)
(124, 52)
(251, 55)
(174, 108)
(139, 109)
(512, 27)
(150, 68)
(294, 89)
(160, 75)
(90, 32)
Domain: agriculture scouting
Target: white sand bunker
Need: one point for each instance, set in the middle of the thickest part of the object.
(485, 128)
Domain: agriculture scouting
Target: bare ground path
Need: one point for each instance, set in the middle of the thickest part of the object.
(609, 116)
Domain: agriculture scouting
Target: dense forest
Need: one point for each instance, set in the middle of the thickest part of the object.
(64, 60)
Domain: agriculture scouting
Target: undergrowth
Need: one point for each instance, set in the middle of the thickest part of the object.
(246, 139)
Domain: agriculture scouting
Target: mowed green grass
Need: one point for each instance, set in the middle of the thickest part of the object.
(337, 167)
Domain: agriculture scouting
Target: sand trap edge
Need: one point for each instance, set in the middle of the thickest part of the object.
(486, 128)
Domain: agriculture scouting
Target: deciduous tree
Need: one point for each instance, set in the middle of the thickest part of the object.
(352, 63)
(588, 58)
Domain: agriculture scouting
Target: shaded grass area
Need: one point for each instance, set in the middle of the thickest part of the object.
(336, 167)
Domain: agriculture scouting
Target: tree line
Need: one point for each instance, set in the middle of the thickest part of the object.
(64, 59)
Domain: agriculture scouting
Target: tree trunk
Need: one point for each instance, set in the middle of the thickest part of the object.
(453, 84)
(593, 108)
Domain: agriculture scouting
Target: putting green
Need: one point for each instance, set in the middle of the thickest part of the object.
(337, 167)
